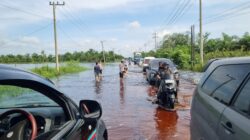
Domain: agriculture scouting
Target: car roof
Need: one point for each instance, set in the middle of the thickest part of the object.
(149, 58)
(161, 59)
(224, 61)
(227, 61)
(11, 73)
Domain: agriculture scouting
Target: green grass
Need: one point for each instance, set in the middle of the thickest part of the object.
(12, 91)
(50, 72)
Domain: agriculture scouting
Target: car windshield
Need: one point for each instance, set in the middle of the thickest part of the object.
(155, 63)
(18, 97)
(146, 61)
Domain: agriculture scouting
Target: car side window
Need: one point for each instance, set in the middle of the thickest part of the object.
(242, 102)
(224, 81)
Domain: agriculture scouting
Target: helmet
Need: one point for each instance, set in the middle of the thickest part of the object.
(165, 65)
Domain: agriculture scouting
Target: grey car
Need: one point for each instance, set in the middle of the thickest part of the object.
(153, 68)
(221, 102)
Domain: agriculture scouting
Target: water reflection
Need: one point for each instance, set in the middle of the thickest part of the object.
(122, 100)
(126, 111)
(165, 123)
(98, 87)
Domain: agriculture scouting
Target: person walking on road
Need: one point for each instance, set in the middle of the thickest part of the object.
(97, 71)
(122, 70)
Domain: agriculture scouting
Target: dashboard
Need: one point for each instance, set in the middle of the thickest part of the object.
(47, 118)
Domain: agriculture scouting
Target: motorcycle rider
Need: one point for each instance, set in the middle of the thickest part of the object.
(157, 78)
(163, 74)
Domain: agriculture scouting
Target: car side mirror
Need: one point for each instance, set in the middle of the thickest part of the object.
(90, 109)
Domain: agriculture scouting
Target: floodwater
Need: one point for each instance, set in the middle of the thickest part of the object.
(126, 111)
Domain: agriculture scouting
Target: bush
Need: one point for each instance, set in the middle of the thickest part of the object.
(49, 72)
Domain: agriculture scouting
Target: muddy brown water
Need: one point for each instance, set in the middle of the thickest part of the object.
(126, 111)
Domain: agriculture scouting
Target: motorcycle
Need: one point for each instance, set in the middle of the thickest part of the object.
(166, 96)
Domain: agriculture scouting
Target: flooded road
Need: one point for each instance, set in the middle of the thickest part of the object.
(127, 113)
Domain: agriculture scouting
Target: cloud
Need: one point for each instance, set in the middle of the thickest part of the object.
(135, 25)
(30, 40)
(163, 33)
(113, 39)
(27, 11)
(218, 2)
(23, 45)
(98, 4)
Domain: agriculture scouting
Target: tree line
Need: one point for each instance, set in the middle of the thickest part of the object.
(88, 56)
(177, 47)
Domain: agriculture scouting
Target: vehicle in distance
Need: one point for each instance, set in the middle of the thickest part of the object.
(221, 102)
(146, 62)
(137, 58)
(153, 69)
(31, 108)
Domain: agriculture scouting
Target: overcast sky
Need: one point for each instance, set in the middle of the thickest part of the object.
(125, 25)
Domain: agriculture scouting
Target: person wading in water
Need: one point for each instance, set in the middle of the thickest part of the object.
(97, 71)
(122, 70)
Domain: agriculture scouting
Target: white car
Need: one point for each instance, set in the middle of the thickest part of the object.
(146, 62)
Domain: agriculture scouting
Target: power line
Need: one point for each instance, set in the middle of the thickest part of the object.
(229, 13)
(23, 11)
(39, 29)
(166, 20)
(226, 18)
(240, 7)
(34, 31)
(178, 13)
(171, 14)
(68, 36)
(182, 8)
(80, 29)
(187, 8)
(77, 18)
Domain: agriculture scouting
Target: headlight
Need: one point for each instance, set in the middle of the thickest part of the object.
(169, 86)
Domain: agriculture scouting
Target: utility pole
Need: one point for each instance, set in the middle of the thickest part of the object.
(103, 55)
(113, 54)
(192, 46)
(155, 36)
(201, 36)
(55, 35)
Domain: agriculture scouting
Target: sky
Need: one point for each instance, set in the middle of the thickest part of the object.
(125, 26)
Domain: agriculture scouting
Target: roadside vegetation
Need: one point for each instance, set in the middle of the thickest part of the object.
(12, 91)
(177, 47)
(50, 72)
(88, 56)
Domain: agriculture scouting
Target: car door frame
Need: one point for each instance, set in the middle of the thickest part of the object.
(232, 113)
